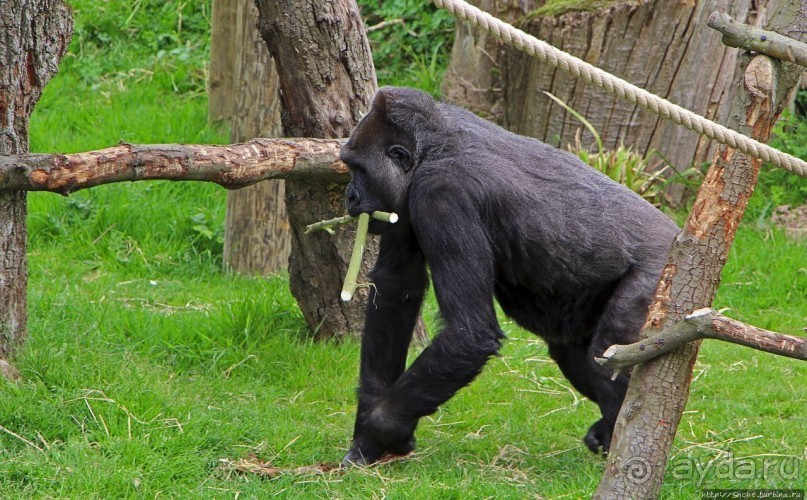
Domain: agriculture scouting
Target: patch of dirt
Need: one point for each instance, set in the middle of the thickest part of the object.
(792, 220)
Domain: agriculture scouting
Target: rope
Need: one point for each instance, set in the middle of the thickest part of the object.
(581, 69)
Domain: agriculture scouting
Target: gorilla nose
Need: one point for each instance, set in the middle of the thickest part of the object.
(352, 200)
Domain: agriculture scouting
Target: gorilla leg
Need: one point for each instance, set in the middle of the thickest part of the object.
(592, 381)
(572, 359)
(463, 283)
(455, 357)
(620, 323)
(400, 282)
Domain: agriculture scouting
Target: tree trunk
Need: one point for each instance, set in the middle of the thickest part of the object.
(327, 81)
(34, 37)
(659, 389)
(473, 79)
(664, 47)
(256, 236)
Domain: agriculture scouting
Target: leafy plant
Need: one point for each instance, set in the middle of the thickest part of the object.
(623, 164)
(411, 42)
(208, 234)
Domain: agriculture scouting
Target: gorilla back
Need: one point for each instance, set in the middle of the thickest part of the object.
(569, 254)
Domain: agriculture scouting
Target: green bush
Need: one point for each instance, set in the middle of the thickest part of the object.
(411, 42)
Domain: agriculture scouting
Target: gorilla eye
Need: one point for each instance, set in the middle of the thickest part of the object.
(401, 157)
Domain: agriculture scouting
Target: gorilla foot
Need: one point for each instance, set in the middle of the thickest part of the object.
(598, 437)
(357, 457)
(362, 456)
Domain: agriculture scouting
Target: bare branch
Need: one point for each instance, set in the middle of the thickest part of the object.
(327, 225)
(703, 324)
(737, 34)
(232, 166)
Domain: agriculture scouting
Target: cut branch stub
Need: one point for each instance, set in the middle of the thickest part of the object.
(743, 36)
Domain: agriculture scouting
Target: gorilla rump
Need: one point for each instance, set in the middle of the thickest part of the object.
(569, 254)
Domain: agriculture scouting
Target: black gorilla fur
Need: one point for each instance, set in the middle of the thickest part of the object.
(569, 254)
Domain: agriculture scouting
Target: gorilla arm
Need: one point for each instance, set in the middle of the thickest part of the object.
(399, 284)
(459, 255)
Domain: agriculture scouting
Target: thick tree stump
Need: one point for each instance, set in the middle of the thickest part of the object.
(33, 38)
(327, 82)
(664, 47)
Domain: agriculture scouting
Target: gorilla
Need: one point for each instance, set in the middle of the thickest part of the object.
(569, 255)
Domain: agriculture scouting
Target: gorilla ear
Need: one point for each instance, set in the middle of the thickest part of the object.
(401, 157)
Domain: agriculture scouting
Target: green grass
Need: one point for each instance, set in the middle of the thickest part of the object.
(147, 369)
(135, 71)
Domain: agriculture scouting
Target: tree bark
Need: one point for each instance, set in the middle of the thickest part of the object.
(256, 234)
(222, 55)
(658, 390)
(664, 47)
(33, 38)
(233, 166)
(327, 82)
(473, 79)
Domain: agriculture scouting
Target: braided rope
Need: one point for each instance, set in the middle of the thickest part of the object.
(581, 69)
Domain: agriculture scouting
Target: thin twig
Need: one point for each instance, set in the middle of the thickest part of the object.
(29, 443)
(384, 24)
(326, 225)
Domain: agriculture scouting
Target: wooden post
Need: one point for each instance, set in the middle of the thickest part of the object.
(256, 230)
(659, 389)
(222, 55)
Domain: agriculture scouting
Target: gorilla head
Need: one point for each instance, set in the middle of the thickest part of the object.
(384, 151)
